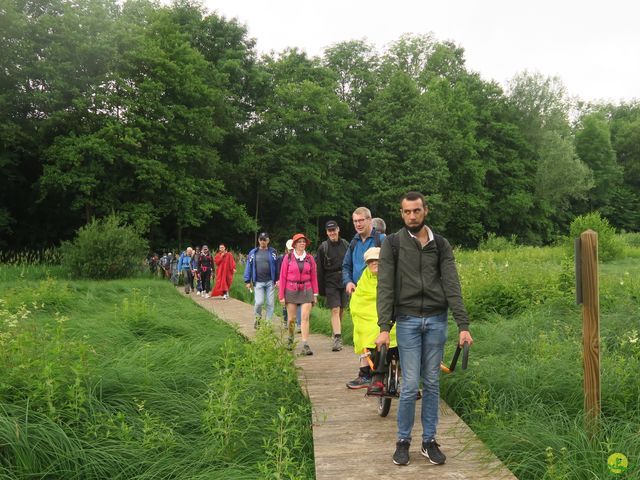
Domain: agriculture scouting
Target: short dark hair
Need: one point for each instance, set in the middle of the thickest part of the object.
(412, 196)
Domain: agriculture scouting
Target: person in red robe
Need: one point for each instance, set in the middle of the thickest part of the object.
(226, 267)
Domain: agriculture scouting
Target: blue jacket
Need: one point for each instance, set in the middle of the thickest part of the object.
(250, 272)
(353, 263)
(184, 262)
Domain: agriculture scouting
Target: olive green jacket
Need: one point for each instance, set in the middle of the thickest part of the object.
(418, 286)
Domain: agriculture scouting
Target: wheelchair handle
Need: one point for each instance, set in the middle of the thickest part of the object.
(465, 357)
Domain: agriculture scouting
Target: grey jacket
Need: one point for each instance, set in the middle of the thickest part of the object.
(418, 286)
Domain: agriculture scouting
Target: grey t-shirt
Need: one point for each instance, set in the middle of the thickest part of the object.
(263, 270)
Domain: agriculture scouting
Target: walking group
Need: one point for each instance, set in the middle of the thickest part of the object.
(399, 289)
(199, 269)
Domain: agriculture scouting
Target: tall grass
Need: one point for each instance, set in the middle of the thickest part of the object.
(128, 379)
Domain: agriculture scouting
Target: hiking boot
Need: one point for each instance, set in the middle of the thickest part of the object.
(256, 324)
(337, 344)
(306, 350)
(432, 452)
(401, 456)
(290, 343)
(376, 388)
(360, 382)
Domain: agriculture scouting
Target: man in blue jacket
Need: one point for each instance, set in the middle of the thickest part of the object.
(366, 237)
(261, 273)
(353, 265)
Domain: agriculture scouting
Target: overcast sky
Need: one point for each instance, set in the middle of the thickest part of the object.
(593, 46)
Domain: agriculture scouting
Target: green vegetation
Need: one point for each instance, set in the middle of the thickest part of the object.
(128, 379)
(523, 393)
(104, 250)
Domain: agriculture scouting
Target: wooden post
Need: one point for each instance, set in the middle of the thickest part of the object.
(591, 328)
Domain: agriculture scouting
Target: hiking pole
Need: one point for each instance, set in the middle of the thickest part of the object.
(465, 359)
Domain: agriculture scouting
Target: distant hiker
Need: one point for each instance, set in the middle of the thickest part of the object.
(184, 269)
(299, 286)
(175, 273)
(353, 265)
(205, 269)
(225, 268)
(417, 284)
(165, 265)
(260, 273)
(331, 253)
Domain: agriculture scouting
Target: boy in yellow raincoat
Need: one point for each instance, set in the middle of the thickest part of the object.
(365, 317)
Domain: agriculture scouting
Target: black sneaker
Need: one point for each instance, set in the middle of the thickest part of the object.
(401, 457)
(432, 452)
(360, 382)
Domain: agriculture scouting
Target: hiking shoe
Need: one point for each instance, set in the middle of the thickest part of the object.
(290, 343)
(198, 293)
(432, 452)
(360, 382)
(401, 456)
(256, 324)
(306, 350)
(337, 344)
(298, 329)
(376, 388)
(225, 296)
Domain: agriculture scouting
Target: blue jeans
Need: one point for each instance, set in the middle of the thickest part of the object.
(421, 345)
(264, 290)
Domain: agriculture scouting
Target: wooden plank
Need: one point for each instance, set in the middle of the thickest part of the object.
(351, 441)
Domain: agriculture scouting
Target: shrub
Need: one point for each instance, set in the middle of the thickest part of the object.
(610, 247)
(495, 243)
(104, 249)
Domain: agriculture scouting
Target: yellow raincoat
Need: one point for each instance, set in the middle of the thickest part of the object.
(364, 314)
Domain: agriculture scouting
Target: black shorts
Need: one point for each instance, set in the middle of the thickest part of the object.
(336, 297)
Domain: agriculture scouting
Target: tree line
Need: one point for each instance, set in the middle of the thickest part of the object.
(168, 117)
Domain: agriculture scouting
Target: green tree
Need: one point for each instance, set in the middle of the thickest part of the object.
(593, 145)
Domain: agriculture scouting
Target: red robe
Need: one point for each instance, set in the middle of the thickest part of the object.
(225, 266)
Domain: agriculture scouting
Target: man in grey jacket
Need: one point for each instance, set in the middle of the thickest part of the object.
(417, 284)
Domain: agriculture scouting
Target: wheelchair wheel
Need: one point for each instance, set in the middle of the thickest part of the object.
(384, 405)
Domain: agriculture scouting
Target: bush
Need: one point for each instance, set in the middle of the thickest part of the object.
(495, 243)
(610, 247)
(104, 249)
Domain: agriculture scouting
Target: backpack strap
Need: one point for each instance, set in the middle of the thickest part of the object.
(377, 239)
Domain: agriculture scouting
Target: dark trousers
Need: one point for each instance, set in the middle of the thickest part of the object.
(206, 280)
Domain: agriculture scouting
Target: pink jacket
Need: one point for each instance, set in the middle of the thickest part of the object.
(292, 279)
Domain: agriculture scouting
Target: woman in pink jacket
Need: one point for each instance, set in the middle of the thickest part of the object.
(299, 286)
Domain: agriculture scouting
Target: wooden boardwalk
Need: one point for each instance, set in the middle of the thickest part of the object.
(351, 441)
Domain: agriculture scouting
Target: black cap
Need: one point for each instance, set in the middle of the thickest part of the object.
(330, 225)
(263, 235)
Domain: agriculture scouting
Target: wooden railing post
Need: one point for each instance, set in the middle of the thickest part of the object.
(591, 327)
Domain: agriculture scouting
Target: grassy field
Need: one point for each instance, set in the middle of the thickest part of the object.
(128, 379)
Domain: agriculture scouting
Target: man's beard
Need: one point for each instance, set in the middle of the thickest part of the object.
(415, 228)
